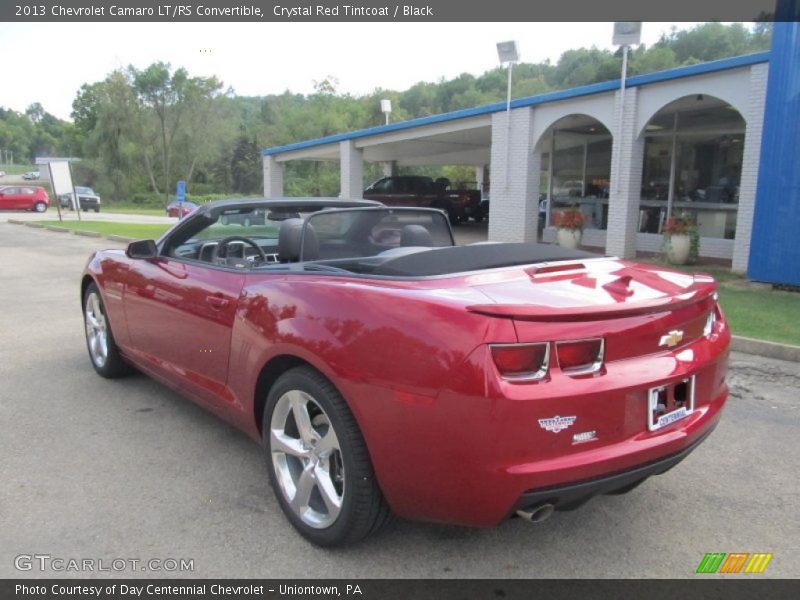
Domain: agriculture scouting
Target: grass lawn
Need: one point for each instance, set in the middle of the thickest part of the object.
(762, 314)
(134, 210)
(18, 169)
(133, 230)
(754, 310)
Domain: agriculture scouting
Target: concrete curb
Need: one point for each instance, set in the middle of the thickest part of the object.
(84, 233)
(120, 238)
(16, 222)
(768, 349)
(34, 225)
(58, 229)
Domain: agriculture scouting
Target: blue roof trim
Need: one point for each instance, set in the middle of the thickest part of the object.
(586, 90)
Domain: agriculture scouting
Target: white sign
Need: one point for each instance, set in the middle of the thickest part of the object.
(627, 33)
(61, 180)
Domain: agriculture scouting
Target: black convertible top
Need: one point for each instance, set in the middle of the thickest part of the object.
(459, 259)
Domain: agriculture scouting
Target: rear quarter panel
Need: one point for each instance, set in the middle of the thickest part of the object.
(391, 352)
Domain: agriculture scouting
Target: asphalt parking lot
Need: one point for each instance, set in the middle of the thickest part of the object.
(92, 468)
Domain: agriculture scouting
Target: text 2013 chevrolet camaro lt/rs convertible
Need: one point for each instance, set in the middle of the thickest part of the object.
(386, 370)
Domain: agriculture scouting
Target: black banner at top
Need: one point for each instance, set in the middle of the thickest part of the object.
(389, 10)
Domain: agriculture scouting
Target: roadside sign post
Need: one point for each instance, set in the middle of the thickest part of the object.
(60, 173)
(180, 196)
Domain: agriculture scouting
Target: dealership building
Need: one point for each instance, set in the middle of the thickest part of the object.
(716, 141)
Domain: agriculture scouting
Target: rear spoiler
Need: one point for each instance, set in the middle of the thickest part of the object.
(697, 293)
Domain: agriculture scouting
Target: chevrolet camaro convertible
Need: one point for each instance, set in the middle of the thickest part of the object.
(386, 370)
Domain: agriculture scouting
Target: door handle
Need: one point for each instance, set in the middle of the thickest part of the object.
(217, 302)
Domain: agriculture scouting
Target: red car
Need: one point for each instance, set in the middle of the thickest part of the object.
(24, 197)
(386, 370)
(180, 209)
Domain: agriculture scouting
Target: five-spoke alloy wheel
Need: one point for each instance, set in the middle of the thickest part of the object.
(307, 459)
(103, 351)
(96, 329)
(319, 465)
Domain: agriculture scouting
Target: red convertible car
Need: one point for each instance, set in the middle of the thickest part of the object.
(386, 370)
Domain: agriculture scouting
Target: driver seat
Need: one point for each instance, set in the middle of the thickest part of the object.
(294, 245)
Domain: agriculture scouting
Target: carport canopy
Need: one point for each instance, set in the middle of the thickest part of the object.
(463, 142)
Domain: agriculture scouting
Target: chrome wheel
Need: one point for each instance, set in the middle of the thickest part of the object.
(96, 329)
(307, 459)
(40, 207)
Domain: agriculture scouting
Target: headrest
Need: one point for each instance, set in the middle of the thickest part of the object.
(291, 238)
(415, 235)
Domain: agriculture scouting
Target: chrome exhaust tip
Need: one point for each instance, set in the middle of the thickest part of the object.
(536, 514)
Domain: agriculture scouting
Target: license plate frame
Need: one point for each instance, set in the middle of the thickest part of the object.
(670, 403)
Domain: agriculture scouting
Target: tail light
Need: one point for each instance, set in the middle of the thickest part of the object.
(580, 357)
(521, 361)
(711, 321)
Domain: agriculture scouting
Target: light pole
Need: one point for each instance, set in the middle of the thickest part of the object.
(386, 108)
(508, 53)
(626, 33)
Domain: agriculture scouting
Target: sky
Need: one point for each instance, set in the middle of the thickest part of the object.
(48, 62)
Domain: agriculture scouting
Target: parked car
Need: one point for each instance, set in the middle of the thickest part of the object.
(180, 209)
(31, 175)
(383, 369)
(24, 197)
(417, 190)
(2, 173)
(86, 197)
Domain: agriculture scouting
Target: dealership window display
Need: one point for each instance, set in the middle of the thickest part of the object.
(579, 174)
(692, 166)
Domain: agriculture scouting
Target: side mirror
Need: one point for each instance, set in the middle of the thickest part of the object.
(142, 249)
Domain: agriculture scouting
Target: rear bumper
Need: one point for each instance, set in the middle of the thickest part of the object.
(497, 457)
(573, 495)
(89, 202)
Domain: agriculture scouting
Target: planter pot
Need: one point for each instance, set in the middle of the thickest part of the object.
(569, 238)
(678, 248)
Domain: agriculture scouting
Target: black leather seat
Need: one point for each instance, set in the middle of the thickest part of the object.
(415, 235)
(297, 241)
(207, 252)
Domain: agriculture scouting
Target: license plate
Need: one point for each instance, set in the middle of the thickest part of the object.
(669, 403)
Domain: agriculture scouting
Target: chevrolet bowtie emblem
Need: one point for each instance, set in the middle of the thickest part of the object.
(673, 338)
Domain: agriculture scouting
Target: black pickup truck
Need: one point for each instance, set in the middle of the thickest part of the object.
(459, 202)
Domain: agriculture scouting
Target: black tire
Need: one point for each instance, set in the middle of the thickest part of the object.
(97, 210)
(453, 217)
(114, 365)
(363, 509)
(40, 207)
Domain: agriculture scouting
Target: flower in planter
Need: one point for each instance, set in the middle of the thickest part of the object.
(570, 218)
(681, 240)
(680, 225)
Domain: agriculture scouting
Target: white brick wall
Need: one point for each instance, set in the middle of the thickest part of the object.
(273, 177)
(750, 163)
(627, 157)
(514, 204)
(351, 163)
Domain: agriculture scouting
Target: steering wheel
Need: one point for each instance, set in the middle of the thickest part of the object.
(220, 254)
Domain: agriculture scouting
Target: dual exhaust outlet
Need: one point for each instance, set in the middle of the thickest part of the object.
(536, 514)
